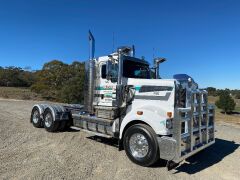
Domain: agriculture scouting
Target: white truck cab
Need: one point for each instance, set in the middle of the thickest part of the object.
(125, 99)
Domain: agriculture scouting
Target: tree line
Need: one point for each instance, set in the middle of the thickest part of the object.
(217, 92)
(16, 77)
(56, 81)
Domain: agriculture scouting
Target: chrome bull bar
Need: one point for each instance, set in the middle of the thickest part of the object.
(199, 133)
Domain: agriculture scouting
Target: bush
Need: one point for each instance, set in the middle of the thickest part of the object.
(225, 102)
(73, 91)
(60, 82)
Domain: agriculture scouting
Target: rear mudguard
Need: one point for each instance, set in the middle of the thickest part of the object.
(59, 112)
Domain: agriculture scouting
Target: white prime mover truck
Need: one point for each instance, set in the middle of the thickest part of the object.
(125, 99)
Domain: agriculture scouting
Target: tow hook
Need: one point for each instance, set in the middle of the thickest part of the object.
(171, 165)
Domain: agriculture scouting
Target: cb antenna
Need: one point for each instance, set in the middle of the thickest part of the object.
(153, 53)
(113, 42)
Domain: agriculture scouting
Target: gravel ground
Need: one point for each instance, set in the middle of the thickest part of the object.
(30, 153)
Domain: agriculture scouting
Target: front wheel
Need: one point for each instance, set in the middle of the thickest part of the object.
(140, 144)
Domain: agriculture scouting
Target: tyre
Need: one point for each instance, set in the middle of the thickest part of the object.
(49, 124)
(140, 144)
(36, 118)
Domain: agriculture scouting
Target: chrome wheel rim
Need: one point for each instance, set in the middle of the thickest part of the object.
(48, 120)
(138, 145)
(36, 117)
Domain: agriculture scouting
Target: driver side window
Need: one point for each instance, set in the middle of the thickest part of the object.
(104, 71)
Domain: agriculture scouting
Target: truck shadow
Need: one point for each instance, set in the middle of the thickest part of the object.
(107, 141)
(202, 160)
(208, 157)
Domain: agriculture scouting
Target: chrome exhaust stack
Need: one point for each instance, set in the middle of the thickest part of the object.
(90, 76)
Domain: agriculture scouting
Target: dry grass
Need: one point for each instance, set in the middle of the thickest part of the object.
(238, 105)
(18, 93)
(226, 117)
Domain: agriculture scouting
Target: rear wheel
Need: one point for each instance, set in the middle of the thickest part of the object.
(140, 144)
(49, 124)
(36, 118)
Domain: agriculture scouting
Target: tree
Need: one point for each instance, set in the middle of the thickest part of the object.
(225, 102)
(72, 91)
(212, 91)
(60, 82)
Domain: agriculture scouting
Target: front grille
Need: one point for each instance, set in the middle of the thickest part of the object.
(181, 98)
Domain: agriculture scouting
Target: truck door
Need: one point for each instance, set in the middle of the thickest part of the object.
(106, 89)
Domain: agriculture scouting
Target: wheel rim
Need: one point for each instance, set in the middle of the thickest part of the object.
(138, 145)
(48, 120)
(36, 117)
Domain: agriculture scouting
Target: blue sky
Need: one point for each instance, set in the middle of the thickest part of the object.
(199, 38)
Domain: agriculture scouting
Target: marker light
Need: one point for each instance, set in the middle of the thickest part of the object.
(169, 114)
(139, 113)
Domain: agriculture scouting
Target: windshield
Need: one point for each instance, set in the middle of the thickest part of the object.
(133, 69)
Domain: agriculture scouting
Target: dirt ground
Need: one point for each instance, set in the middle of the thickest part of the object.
(30, 153)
